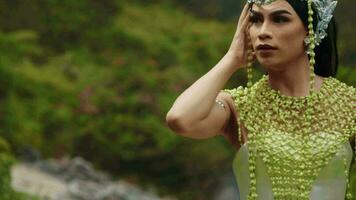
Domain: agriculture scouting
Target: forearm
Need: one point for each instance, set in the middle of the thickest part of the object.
(195, 103)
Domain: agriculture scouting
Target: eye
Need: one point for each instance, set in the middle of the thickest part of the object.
(255, 19)
(280, 19)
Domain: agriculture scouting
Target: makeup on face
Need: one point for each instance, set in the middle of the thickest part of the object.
(275, 30)
(278, 16)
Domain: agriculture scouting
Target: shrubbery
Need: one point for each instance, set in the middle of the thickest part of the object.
(6, 161)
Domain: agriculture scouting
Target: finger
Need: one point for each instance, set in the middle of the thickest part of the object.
(242, 28)
(245, 9)
(243, 13)
(245, 23)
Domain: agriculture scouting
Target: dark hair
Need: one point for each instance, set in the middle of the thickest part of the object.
(326, 55)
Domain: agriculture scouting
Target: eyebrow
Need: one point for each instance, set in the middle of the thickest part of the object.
(277, 12)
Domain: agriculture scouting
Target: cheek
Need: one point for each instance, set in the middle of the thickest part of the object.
(292, 38)
(253, 35)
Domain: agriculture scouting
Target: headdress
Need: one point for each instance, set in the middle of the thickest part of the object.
(324, 11)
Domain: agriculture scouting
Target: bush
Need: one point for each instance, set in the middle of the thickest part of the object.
(6, 161)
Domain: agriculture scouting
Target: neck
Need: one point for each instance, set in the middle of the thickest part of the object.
(293, 80)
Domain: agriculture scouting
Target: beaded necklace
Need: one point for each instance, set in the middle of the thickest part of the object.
(270, 116)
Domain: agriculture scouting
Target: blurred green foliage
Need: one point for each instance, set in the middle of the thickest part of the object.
(96, 78)
(6, 161)
(6, 192)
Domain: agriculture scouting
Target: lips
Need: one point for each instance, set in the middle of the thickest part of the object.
(265, 47)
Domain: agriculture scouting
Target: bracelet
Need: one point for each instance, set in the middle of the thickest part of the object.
(220, 103)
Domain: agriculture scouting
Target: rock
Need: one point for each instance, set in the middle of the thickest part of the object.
(69, 170)
(30, 180)
(30, 155)
(73, 179)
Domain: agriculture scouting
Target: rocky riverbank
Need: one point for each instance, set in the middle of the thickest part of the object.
(73, 179)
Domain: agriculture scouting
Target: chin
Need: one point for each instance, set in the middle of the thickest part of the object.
(266, 62)
(271, 64)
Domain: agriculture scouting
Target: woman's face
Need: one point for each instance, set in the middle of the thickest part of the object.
(277, 34)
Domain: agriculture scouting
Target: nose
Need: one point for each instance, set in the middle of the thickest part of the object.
(265, 32)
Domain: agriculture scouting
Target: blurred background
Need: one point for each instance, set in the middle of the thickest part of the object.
(94, 80)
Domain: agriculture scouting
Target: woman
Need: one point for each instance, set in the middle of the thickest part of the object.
(293, 128)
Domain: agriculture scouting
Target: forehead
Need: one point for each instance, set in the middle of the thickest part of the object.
(276, 5)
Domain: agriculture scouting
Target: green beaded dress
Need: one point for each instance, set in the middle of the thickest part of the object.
(280, 160)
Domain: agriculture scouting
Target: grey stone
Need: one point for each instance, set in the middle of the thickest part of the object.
(73, 179)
